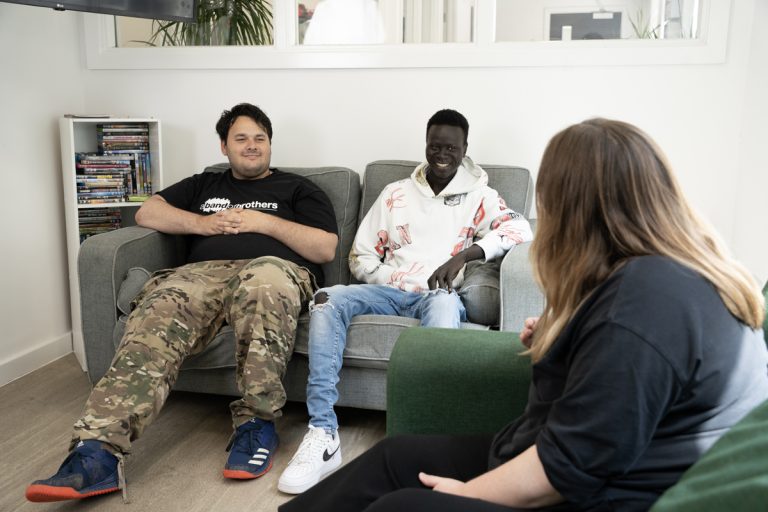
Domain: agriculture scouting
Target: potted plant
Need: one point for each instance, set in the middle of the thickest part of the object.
(219, 23)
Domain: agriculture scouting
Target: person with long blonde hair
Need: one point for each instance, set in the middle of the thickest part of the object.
(622, 202)
(648, 350)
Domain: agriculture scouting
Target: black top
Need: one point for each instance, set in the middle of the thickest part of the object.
(645, 377)
(285, 195)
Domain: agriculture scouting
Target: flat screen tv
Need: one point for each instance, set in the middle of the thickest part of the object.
(178, 10)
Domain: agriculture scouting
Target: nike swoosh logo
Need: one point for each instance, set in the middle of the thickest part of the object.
(327, 456)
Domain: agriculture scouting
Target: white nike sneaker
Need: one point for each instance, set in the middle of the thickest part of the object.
(318, 454)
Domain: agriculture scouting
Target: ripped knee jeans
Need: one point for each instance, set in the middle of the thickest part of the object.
(332, 310)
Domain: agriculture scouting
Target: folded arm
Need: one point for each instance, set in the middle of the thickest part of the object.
(158, 214)
(314, 244)
(500, 228)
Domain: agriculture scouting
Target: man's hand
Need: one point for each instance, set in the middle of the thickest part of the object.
(224, 222)
(529, 326)
(446, 273)
(442, 484)
(233, 221)
(314, 244)
(255, 221)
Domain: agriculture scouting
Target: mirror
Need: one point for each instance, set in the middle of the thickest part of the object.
(373, 22)
(318, 22)
(559, 20)
(384, 21)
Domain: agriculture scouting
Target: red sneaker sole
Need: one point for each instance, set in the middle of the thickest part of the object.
(236, 474)
(45, 493)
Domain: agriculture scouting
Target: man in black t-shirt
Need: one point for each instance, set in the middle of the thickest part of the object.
(257, 239)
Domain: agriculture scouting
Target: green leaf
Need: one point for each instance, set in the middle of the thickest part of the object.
(218, 22)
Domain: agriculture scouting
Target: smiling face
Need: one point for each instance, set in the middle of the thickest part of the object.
(445, 150)
(248, 149)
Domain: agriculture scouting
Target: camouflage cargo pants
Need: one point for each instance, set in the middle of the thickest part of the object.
(178, 313)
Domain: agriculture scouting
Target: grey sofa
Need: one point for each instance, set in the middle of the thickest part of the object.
(113, 266)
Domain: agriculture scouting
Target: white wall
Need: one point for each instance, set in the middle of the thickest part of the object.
(750, 240)
(350, 117)
(42, 79)
(707, 117)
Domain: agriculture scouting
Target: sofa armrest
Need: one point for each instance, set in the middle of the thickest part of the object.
(520, 296)
(455, 381)
(103, 262)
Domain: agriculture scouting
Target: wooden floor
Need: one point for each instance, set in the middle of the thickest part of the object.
(176, 465)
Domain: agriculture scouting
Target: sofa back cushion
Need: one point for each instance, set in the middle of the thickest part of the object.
(514, 184)
(342, 186)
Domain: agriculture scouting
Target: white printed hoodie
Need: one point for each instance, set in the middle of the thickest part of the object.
(409, 231)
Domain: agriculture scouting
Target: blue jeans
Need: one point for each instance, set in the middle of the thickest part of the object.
(328, 332)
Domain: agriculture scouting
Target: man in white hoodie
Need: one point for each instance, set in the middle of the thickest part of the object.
(411, 248)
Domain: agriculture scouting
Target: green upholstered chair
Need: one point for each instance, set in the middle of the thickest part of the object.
(455, 382)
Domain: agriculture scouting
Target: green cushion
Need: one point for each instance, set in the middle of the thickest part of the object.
(455, 381)
(732, 476)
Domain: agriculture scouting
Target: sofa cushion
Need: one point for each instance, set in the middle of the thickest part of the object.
(370, 339)
(732, 475)
(130, 288)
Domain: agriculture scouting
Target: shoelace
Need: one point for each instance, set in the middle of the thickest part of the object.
(247, 440)
(121, 482)
(310, 446)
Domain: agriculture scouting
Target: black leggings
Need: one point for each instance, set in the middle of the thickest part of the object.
(386, 477)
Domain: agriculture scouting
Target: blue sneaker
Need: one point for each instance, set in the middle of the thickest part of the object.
(89, 470)
(251, 450)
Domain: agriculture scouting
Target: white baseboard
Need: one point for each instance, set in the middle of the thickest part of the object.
(36, 357)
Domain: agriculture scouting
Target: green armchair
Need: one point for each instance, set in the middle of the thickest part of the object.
(440, 381)
(443, 381)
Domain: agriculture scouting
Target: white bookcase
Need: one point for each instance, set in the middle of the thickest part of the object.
(78, 134)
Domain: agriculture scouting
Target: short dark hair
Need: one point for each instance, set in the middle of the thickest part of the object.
(228, 118)
(451, 118)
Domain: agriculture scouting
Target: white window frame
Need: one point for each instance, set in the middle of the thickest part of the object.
(708, 48)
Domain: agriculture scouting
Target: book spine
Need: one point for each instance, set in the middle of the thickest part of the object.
(100, 201)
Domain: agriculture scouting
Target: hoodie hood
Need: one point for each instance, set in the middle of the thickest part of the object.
(468, 177)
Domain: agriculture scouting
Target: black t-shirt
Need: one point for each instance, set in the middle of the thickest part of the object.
(648, 374)
(285, 195)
